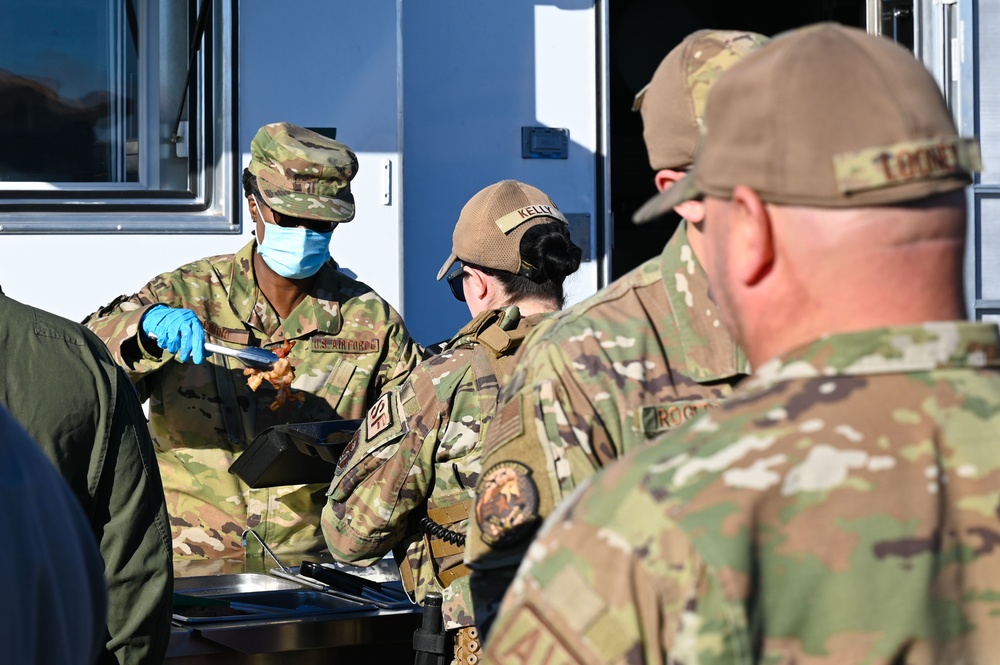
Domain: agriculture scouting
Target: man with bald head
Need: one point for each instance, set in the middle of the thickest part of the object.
(638, 358)
(841, 506)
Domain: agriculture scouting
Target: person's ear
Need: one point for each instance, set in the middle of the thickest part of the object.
(666, 177)
(477, 285)
(692, 211)
(752, 236)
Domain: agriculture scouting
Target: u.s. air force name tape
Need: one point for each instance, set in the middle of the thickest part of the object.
(327, 344)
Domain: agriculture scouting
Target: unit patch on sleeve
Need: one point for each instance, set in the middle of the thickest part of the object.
(507, 508)
(347, 455)
(379, 417)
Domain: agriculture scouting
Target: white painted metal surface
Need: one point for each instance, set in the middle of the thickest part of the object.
(288, 71)
(473, 75)
(432, 99)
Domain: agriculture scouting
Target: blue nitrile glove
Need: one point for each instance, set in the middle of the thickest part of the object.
(176, 330)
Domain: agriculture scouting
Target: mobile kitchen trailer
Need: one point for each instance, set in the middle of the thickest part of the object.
(124, 125)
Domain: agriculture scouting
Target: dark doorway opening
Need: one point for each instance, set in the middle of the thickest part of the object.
(641, 32)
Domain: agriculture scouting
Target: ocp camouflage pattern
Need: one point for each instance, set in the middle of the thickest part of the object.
(202, 417)
(594, 381)
(841, 507)
(673, 102)
(707, 66)
(303, 173)
(424, 460)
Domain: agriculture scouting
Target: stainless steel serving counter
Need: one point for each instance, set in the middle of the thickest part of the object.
(239, 611)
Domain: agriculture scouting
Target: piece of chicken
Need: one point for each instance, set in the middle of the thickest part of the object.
(280, 376)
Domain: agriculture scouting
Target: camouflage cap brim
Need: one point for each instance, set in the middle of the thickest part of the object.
(683, 190)
(447, 264)
(308, 206)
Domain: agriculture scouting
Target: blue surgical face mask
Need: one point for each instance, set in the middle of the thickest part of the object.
(294, 252)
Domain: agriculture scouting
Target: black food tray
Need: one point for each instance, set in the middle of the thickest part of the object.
(294, 454)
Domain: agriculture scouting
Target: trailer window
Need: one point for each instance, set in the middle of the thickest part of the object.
(116, 115)
(893, 19)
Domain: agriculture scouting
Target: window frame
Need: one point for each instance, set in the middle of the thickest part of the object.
(211, 201)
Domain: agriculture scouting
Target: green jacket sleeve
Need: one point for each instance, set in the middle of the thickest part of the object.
(135, 534)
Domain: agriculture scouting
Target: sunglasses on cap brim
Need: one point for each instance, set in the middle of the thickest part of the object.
(456, 278)
(287, 221)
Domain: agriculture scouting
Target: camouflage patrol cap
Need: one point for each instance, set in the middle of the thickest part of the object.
(673, 103)
(829, 116)
(490, 227)
(301, 173)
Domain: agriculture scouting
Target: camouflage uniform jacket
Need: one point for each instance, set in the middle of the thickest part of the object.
(416, 456)
(596, 380)
(350, 347)
(841, 507)
(62, 385)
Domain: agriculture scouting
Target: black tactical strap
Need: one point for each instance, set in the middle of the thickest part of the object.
(430, 642)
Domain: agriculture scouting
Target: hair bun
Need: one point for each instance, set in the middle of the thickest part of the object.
(550, 249)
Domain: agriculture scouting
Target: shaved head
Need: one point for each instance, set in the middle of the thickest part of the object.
(783, 275)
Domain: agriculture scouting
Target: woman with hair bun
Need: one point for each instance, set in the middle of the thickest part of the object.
(407, 480)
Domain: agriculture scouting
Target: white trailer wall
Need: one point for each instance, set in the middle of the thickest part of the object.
(334, 64)
(337, 69)
(977, 74)
(474, 73)
(431, 96)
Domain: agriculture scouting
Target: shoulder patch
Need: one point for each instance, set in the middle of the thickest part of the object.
(382, 425)
(379, 417)
(507, 505)
(347, 455)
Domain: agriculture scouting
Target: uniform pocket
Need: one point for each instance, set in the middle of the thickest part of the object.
(338, 386)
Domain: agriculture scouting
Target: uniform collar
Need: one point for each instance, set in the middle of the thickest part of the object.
(320, 311)
(709, 350)
(899, 349)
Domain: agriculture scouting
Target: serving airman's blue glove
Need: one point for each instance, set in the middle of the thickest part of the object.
(176, 330)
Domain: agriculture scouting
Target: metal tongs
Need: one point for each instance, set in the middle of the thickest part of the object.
(250, 356)
(345, 585)
(388, 598)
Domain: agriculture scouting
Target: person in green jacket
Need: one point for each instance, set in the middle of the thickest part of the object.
(59, 381)
(347, 347)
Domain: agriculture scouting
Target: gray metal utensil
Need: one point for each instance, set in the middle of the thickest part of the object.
(250, 356)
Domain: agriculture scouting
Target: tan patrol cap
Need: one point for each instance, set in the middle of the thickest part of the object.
(673, 103)
(489, 229)
(829, 116)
